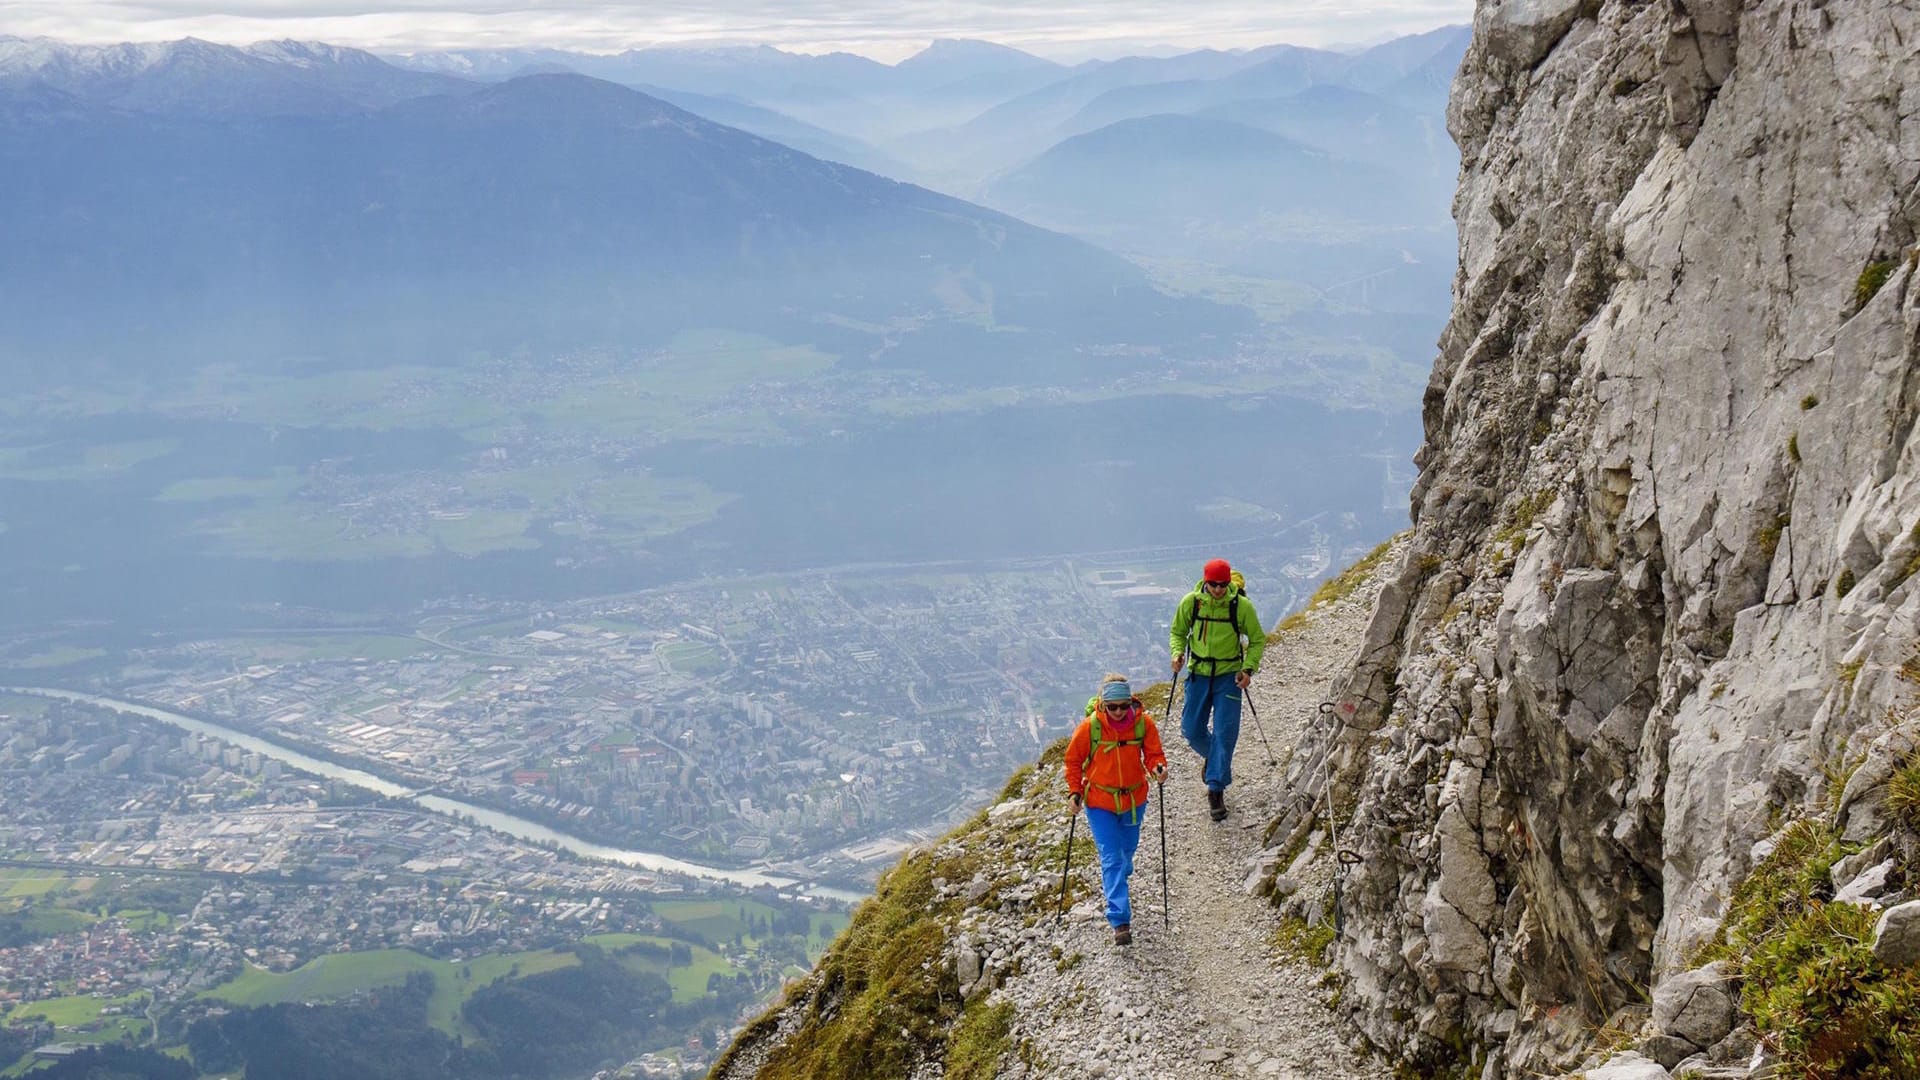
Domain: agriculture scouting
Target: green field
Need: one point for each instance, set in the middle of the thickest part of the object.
(140, 920)
(495, 514)
(333, 977)
(689, 983)
(283, 483)
(690, 657)
(63, 464)
(61, 656)
(337, 976)
(686, 390)
(383, 399)
(297, 648)
(713, 385)
(22, 882)
(1272, 299)
(720, 920)
(499, 628)
(83, 1010)
(269, 529)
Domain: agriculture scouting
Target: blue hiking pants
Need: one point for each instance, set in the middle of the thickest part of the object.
(1218, 697)
(1115, 836)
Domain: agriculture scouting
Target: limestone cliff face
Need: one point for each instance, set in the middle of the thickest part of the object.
(1662, 581)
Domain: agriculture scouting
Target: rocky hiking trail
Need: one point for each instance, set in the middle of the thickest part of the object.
(1215, 994)
(962, 966)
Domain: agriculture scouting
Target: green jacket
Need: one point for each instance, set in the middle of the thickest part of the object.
(1216, 645)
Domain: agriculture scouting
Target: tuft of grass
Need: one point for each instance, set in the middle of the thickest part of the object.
(1786, 884)
(1793, 448)
(1015, 784)
(1769, 535)
(1507, 541)
(1837, 772)
(981, 1039)
(1054, 755)
(1808, 402)
(1298, 938)
(1907, 570)
(1871, 279)
(1529, 508)
(1850, 673)
(1843, 584)
(1903, 793)
(1910, 668)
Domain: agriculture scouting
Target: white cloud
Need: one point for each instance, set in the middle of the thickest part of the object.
(887, 29)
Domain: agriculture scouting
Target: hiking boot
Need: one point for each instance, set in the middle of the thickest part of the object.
(1123, 934)
(1216, 805)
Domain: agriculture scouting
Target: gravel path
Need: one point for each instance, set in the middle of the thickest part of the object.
(1211, 995)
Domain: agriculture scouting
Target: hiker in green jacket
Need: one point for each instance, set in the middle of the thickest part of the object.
(1216, 623)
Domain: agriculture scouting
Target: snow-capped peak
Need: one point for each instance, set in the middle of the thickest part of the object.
(306, 54)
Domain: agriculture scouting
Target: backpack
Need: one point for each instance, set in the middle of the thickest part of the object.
(1123, 797)
(1236, 588)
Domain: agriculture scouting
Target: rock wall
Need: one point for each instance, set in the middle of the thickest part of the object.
(1662, 586)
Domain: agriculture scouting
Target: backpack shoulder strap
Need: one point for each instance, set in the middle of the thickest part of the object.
(1233, 622)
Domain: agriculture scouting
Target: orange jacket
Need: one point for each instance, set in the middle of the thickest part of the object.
(1114, 779)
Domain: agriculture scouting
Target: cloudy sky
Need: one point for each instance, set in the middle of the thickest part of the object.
(885, 29)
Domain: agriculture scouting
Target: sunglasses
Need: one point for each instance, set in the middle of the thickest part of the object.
(1216, 584)
(1119, 706)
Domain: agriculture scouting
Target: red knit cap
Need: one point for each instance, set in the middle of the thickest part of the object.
(1216, 570)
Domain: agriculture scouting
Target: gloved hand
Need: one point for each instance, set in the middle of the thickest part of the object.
(1241, 679)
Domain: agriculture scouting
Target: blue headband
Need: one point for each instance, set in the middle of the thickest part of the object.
(1116, 691)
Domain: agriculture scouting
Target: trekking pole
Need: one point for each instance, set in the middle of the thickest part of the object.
(1342, 857)
(1068, 861)
(1258, 726)
(1166, 919)
(1174, 690)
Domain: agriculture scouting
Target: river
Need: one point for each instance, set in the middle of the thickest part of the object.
(492, 819)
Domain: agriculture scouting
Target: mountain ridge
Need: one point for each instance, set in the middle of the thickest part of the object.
(265, 79)
(640, 194)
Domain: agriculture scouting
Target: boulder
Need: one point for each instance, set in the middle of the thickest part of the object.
(1694, 1005)
(1629, 1066)
(1668, 1050)
(1521, 32)
(1896, 938)
(1866, 886)
(1001, 810)
(966, 968)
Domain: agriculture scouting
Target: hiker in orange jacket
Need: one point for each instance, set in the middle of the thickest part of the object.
(1113, 754)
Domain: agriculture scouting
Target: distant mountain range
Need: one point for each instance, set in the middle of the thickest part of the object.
(1160, 168)
(307, 196)
(269, 79)
(1021, 128)
(546, 208)
(946, 83)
